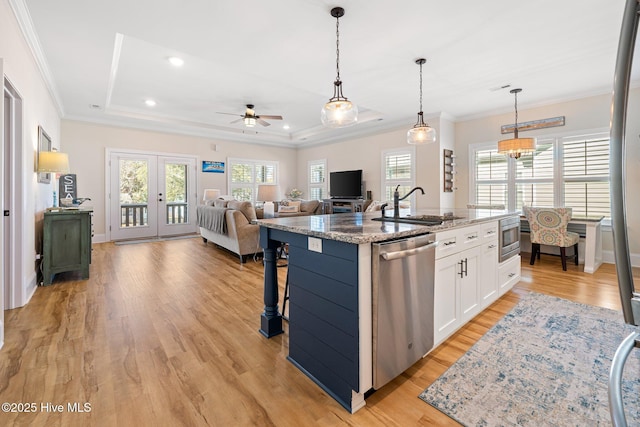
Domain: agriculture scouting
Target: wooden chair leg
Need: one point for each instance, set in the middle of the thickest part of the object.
(535, 247)
(575, 251)
(563, 255)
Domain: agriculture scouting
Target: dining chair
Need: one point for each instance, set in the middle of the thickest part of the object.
(548, 226)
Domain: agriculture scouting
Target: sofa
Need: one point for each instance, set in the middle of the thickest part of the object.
(237, 234)
(287, 208)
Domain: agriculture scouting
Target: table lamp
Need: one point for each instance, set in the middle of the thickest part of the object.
(267, 193)
(56, 163)
(210, 194)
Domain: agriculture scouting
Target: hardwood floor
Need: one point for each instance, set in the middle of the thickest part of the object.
(166, 334)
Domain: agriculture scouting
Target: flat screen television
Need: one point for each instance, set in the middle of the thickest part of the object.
(345, 184)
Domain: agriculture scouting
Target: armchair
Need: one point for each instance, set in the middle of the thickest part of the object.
(548, 226)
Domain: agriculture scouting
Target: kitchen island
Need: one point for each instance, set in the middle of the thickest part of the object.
(330, 282)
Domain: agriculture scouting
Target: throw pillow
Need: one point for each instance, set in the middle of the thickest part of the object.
(245, 207)
(220, 203)
(288, 209)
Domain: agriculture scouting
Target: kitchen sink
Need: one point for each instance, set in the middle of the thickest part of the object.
(420, 219)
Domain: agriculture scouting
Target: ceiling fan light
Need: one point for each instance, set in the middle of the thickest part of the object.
(249, 122)
(339, 113)
(423, 134)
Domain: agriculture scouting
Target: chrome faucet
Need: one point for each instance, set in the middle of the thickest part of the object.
(397, 198)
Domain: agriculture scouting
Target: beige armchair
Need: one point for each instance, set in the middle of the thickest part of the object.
(548, 226)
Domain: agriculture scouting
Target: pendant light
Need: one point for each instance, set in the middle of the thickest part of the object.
(421, 133)
(339, 111)
(515, 147)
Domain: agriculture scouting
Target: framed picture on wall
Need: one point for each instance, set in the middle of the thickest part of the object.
(214, 167)
(44, 144)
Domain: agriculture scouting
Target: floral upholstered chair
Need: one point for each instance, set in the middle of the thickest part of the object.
(548, 226)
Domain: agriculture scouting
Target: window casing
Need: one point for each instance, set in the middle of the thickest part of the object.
(317, 179)
(398, 168)
(569, 171)
(245, 175)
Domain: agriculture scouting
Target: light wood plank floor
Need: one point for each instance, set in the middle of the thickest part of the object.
(166, 334)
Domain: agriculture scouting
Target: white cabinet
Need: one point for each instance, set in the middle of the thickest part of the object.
(456, 291)
(489, 264)
(468, 277)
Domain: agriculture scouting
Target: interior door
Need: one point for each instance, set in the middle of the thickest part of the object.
(152, 195)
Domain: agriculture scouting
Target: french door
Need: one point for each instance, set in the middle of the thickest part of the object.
(151, 195)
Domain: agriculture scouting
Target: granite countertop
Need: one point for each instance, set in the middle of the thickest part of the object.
(361, 228)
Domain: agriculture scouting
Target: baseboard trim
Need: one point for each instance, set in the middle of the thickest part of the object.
(609, 258)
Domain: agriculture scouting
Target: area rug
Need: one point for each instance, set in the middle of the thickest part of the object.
(546, 363)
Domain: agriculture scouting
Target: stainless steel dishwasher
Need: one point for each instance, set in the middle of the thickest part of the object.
(403, 274)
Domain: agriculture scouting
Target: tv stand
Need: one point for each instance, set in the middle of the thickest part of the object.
(331, 206)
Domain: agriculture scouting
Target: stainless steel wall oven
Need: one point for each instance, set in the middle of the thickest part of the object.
(509, 238)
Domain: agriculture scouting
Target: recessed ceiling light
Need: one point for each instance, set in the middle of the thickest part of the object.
(285, 127)
(176, 62)
(95, 106)
(150, 103)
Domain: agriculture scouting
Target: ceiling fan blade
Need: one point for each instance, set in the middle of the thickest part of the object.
(270, 117)
(230, 114)
(237, 121)
(263, 123)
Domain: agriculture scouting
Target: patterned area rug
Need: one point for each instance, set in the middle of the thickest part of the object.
(546, 363)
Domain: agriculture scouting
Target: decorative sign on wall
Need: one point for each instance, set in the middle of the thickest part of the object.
(534, 124)
(209, 166)
(68, 189)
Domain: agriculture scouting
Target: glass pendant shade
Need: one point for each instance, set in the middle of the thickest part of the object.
(421, 132)
(339, 113)
(421, 135)
(249, 122)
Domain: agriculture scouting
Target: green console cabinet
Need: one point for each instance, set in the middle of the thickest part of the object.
(66, 242)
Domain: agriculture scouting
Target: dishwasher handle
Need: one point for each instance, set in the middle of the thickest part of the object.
(408, 252)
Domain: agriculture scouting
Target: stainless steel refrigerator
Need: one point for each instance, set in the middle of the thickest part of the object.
(630, 299)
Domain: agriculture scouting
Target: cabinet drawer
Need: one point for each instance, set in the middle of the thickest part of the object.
(458, 239)
(490, 230)
(509, 273)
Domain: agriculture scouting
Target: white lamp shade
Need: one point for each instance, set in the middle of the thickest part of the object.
(267, 193)
(53, 162)
(515, 147)
(421, 135)
(211, 194)
(339, 113)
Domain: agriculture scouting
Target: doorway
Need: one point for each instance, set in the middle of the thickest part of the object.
(151, 195)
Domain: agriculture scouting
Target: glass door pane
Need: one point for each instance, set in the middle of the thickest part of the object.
(177, 208)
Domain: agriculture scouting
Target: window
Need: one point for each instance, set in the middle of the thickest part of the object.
(317, 182)
(245, 176)
(398, 168)
(563, 171)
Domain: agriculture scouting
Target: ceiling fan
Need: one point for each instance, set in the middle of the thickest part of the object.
(250, 118)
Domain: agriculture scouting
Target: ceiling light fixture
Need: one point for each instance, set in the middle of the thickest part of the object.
(515, 147)
(339, 111)
(150, 103)
(421, 132)
(176, 62)
(249, 122)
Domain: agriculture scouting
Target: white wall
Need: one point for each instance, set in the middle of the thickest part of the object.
(22, 71)
(86, 144)
(365, 153)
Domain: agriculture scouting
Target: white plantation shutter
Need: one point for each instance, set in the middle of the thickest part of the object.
(245, 175)
(586, 175)
(563, 171)
(491, 173)
(534, 176)
(398, 168)
(317, 180)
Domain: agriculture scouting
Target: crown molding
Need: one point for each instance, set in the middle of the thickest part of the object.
(25, 23)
